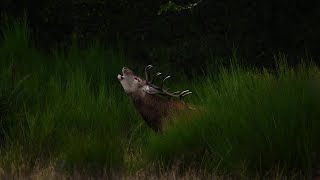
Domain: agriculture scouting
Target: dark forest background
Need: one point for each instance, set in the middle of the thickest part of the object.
(255, 30)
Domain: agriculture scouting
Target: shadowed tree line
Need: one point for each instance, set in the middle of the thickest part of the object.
(256, 30)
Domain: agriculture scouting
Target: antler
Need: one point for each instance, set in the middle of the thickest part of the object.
(162, 91)
(146, 71)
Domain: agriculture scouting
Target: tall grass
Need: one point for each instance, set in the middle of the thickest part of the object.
(67, 108)
(71, 110)
(254, 120)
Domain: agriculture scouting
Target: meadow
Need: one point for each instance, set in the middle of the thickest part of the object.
(64, 114)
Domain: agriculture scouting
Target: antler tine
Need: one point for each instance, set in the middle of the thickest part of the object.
(177, 92)
(158, 74)
(146, 71)
(184, 93)
(164, 81)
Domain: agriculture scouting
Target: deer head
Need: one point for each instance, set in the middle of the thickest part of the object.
(144, 94)
(132, 83)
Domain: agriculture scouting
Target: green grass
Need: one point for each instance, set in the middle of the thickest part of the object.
(68, 108)
(255, 120)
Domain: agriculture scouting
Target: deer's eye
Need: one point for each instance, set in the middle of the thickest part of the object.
(137, 79)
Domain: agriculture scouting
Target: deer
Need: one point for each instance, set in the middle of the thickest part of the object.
(155, 104)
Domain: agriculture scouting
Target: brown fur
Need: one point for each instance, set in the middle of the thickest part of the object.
(155, 110)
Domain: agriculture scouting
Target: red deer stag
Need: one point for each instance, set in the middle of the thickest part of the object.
(153, 102)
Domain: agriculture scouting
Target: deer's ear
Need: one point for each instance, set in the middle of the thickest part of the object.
(151, 90)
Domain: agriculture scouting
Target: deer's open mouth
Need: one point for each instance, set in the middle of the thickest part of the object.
(124, 70)
(120, 77)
